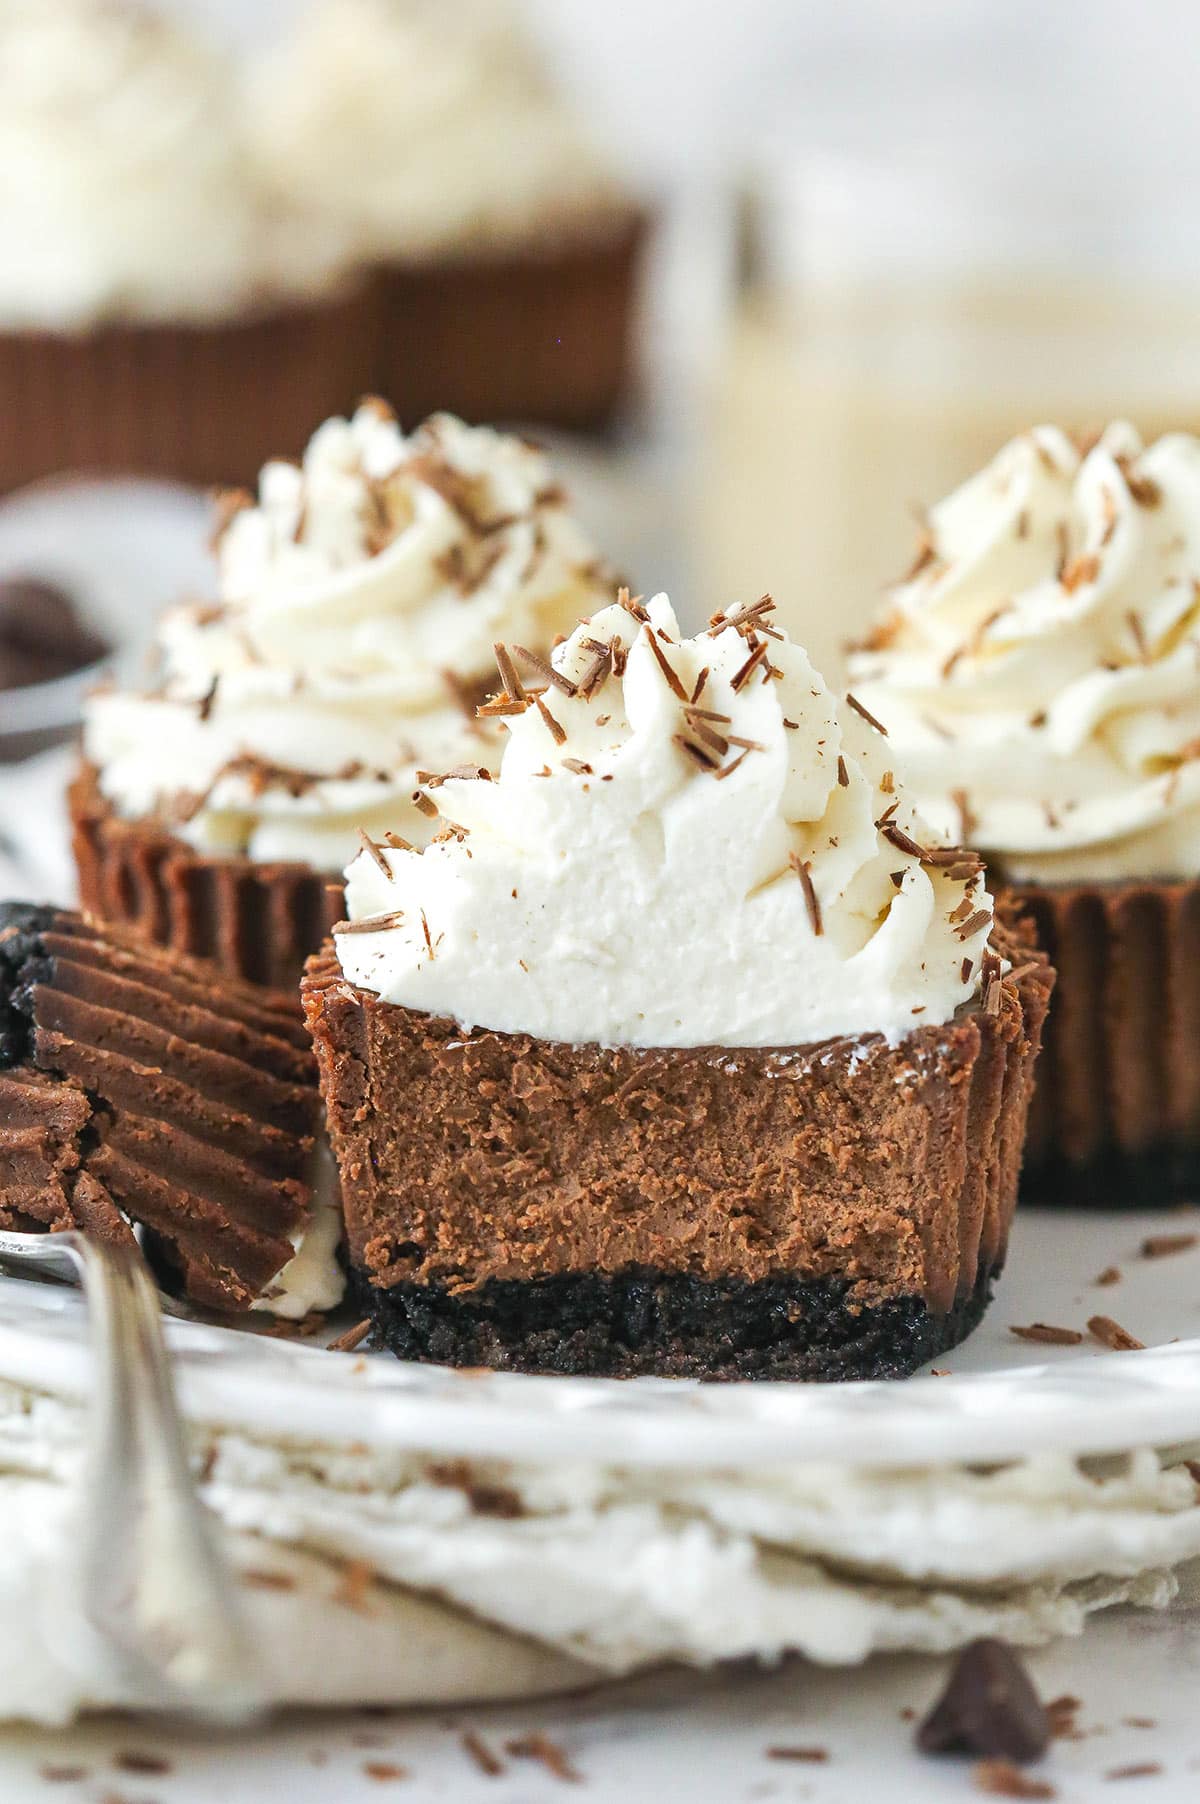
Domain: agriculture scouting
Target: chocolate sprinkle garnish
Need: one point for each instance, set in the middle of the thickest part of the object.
(1161, 1246)
(632, 605)
(578, 766)
(351, 1338)
(424, 804)
(1142, 1769)
(1044, 1331)
(866, 714)
(1001, 1779)
(742, 675)
(698, 690)
(1111, 1334)
(843, 773)
(793, 726)
(672, 679)
(545, 668)
(557, 732)
(488, 1763)
(540, 1747)
(727, 770)
(989, 1706)
(968, 965)
(812, 901)
(903, 842)
(1110, 1275)
(368, 845)
(373, 923)
(973, 923)
(814, 1755)
(699, 754)
(513, 687)
(136, 1762)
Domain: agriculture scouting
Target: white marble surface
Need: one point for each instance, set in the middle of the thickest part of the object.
(703, 1740)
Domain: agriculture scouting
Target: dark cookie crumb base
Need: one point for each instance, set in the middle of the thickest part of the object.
(670, 1325)
(1155, 1178)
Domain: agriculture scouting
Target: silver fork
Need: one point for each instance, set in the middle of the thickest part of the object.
(157, 1611)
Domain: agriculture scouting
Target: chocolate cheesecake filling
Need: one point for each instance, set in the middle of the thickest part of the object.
(827, 1210)
(139, 1088)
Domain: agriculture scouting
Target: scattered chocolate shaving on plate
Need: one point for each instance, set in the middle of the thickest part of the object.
(384, 1770)
(1044, 1331)
(476, 1748)
(1103, 1328)
(1142, 1769)
(63, 1775)
(540, 1747)
(812, 1755)
(989, 1706)
(1161, 1246)
(1061, 1713)
(1001, 1779)
(134, 1761)
(1110, 1275)
(351, 1338)
(1140, 1722)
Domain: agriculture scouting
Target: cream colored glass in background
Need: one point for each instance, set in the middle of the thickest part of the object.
(895, 327)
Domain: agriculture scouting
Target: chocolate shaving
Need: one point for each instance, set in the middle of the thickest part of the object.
(1161, 1246)
(698, 690)
(632, 604)
(578, 766)
(1140, 1769)
(540, 1747)
(1110, 1275)
(903, 842)
(1001, 1779)
(973, 923)
(204, 706)
(814, 1756)
(373, 923)
(967, 822)
(1080, 570)
(1044, 1331)
(1111, 1334)
(424, 804)
(1138, 631)
(744, 672)
(368, 845)
(556, 730)
(842, 773)
(865, 714)
(1144, 490)
(812, 901)
(968, 965)
(545, 668)
(513, 687)
(742, 618)
(489, 1764)
(699, 754)
(672, 680)
(727, 770)
(351, 1338)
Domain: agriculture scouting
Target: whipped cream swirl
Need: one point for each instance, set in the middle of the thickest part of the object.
(126, 189)
(429, 129)
(1039, 671)
(689, 843)
(360, 601)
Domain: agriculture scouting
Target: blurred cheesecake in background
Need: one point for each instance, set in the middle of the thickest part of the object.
(158, 313)
(201, 257)
(507, 249)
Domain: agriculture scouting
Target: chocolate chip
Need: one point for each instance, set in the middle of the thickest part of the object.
(989, 1707)
(41, 634)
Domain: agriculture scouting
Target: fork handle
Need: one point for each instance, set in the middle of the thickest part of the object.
(158, 1614)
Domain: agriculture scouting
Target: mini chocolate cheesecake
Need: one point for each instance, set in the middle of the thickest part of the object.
(571, 1140)
(140, 1091)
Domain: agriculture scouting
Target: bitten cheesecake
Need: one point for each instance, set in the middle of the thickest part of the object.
(680, 1049)
(140, 1090)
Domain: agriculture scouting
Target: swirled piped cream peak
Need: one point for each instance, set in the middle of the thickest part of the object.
(1039, 669)
(360, 598)
(689, 843)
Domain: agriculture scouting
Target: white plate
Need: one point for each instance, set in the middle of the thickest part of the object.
(1000, 1397)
